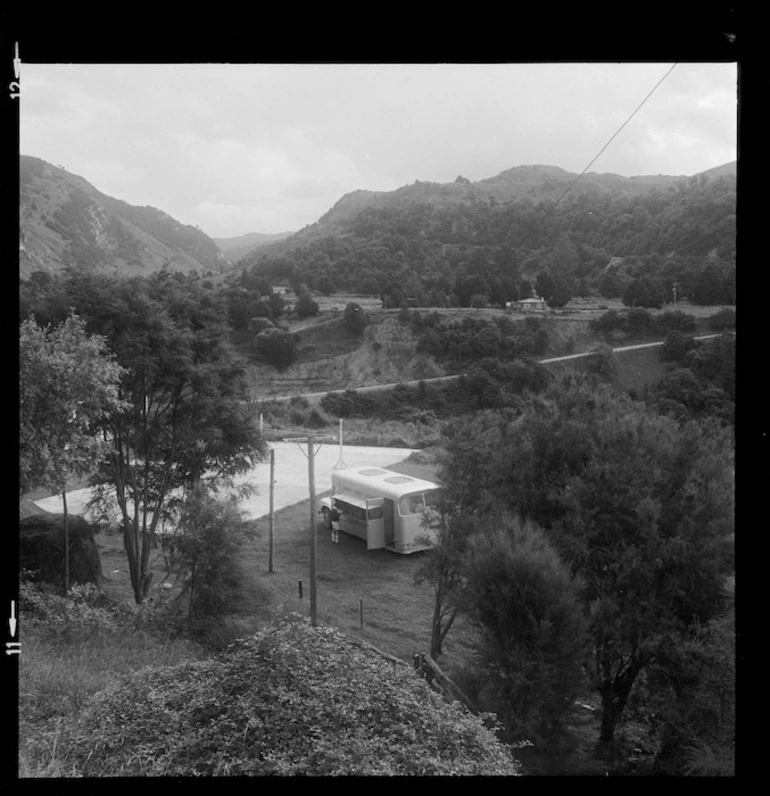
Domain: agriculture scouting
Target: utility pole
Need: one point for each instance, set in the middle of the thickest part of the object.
(311, 443)
(311, 479)
(272, 515)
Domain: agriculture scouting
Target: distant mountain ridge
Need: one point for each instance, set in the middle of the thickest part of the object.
(533, 183)
(236, 247)
(64, 220)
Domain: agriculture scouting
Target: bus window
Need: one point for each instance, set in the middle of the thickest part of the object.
(411, 504)
(376, 513)
(351, 512)
(433, 498)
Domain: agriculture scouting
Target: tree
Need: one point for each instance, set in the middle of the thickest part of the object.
(185, 422)
(276, 346)
(354, 318)
(638, 505)
(68, 383)
(306, 306)
(207, 546)
(528, 605)
(643, 293)
(610, 286)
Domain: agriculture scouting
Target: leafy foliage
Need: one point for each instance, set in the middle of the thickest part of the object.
(473, 339)
(306, 306)
(276, 346)
(183, 420)
(354, 318)
(535, 634)
(637, 505)
(207, 546)
(704, 383)
(292, 700)
(68, 382)
(428, 241)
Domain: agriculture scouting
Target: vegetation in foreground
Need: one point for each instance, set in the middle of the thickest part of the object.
(580, 475)
(290, 700)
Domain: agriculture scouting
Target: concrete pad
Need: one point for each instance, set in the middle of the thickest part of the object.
(291, 476)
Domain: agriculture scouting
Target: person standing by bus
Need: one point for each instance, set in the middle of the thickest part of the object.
(334, 516)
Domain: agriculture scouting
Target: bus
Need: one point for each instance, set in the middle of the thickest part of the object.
(382, 507)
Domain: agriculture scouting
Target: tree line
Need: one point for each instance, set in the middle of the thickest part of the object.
(432, 254)
(590, 539)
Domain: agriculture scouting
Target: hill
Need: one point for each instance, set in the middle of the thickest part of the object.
(420, 241)
(65, 221)
(235, 248)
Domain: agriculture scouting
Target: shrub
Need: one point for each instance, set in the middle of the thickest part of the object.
(602, 362)
(535, 635)
(291, 700)
(674, 320)
(209, 539)
(724, 319)
(82, 613)
(676, 347)
(305, 306)
(354, 318)
(257, 325)
(276, 346)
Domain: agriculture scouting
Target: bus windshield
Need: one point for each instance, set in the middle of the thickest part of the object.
(419, 501)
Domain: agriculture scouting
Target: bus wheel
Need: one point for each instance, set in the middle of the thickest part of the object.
(327, 517)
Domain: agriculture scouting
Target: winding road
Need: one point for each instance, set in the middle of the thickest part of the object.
(437, 379)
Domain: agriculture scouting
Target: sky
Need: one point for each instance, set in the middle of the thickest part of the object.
(240, 148)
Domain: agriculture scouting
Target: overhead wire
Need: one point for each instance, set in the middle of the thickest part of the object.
(596, 157)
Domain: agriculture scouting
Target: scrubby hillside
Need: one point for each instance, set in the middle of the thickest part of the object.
(292, 700)
(65, 221)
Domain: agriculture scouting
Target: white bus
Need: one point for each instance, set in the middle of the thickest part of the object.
(382, 507)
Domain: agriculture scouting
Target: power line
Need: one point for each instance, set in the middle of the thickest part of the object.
(597, 156)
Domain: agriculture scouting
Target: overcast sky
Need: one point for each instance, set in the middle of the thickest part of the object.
(270, 148)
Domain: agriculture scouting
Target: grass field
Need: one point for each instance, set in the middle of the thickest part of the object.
(396, 611)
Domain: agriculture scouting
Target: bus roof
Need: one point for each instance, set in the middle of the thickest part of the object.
(386, 482)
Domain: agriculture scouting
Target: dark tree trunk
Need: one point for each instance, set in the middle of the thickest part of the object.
(66, 542)
(615, 692)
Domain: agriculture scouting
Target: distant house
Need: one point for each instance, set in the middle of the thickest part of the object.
(533, 304)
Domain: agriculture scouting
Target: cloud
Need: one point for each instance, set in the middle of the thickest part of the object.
(283, 142)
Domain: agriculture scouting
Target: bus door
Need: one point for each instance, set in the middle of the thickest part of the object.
(375, 524)
(390, 526)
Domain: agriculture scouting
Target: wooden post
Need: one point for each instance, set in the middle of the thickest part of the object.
(299, 586)
(361, 612)
(311, 480)
(272, 517)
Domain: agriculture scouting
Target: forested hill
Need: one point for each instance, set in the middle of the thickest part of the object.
(65, 221)
(421, 241)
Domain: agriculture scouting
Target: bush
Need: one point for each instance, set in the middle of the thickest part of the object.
(291, 700)
(602, 362)
(208, 544)
(354, 318)
(724, 319)
(305, 306)
(276, 346)
(82, 613)
(257, 325)
(675, 320)
(676, 347)
(535, 635)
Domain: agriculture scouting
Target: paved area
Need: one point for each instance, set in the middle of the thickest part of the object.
(290, 476)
